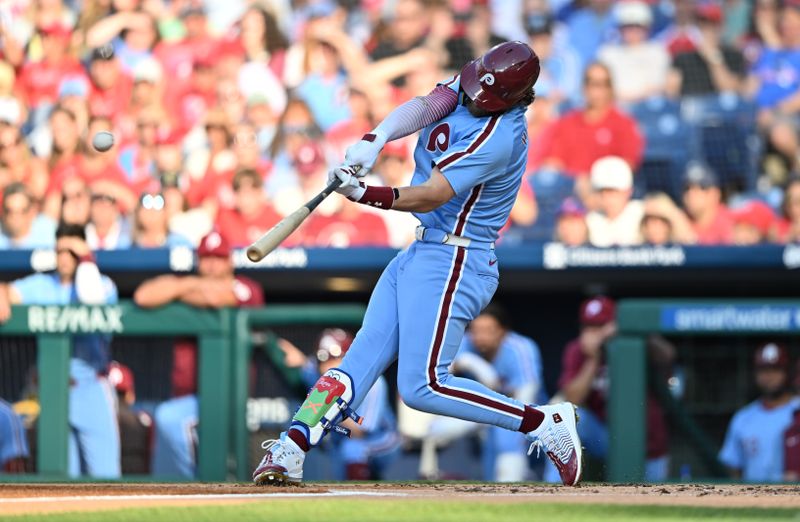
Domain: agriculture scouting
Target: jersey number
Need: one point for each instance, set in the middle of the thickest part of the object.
(439, 138)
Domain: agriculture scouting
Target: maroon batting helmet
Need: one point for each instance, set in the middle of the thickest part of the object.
(333, 343)
(502, 77)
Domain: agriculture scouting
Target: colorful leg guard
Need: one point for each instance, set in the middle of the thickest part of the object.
(327, 404)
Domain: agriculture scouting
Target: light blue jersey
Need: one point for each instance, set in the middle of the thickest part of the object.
(754, 442)
(13, 444)
(483, 159)
(518, 364)
(47, 289)
(93, 446)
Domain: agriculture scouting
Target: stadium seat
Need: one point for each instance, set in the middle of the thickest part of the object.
(667, 146)
(724, 135)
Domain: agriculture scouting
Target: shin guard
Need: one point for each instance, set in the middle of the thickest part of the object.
(327, 404)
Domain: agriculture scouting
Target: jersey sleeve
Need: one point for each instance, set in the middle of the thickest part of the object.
(452, 83)
(477, 158)
(731, 453)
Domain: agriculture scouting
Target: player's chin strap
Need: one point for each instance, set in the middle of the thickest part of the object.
(327, 404)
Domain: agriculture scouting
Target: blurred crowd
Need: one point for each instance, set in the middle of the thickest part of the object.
(227, 115)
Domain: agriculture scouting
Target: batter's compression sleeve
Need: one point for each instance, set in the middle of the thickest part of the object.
(406, 119)
(418, 113)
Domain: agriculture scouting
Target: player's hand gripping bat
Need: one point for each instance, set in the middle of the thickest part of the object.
(275, 236)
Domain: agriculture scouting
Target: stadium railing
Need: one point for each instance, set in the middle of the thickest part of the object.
(628, 376)
(53, 325)
(225, 344)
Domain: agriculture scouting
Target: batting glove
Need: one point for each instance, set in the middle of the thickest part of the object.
(350, 188)
(365, 152)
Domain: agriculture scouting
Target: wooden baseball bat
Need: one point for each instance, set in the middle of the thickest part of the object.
(275, 236)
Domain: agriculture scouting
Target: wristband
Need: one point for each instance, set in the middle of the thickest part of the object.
(378, 197)
(88, 258)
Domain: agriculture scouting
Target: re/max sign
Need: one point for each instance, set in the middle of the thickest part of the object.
(75, 319)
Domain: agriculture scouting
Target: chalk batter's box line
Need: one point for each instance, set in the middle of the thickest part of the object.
(216, 496)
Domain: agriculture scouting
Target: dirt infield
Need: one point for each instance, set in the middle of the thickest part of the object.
(44, 498)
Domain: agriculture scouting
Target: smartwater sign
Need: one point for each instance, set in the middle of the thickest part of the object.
(752, 318)
(75, 319)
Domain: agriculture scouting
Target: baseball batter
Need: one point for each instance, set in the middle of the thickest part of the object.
(470, 158)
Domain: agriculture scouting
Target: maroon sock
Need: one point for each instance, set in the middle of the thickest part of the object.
(531, 420)
(299, 438)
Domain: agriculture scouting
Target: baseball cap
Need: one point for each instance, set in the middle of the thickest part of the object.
(771, 355)
(104, 52)
(700, 174)
(121, 377)
(755, 213)
(147, 70)
(308, 158)
(597, 311)
(570, 207)
(213, 245)
(709, 11)
(611, 172)
(333, 344)
(539, 23)
(634, 13)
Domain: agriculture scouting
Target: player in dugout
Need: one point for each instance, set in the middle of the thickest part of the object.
(214, 286)
(94, 448)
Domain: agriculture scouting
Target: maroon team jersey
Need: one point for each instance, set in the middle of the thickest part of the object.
(184, 364)
(571, 363)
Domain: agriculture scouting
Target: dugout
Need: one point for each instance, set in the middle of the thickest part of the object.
(715, 340)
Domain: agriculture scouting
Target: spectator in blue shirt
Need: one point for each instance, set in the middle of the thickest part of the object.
(775, 82)
(22, 226)
(591, 27)
(93, 436)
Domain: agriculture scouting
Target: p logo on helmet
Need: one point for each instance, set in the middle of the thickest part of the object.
(502, 77)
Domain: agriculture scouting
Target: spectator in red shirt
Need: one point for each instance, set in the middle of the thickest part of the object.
(215, 286)
(177, 57)
(702, 199)
(111, 89)
(39, 81)
(213, 190)
(787, 229)
(584, 381)
(752, 222)
(583, 136)
(251, 215)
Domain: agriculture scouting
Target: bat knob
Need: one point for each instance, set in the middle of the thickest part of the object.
(254, 255)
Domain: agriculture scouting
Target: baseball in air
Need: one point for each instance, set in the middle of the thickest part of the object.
(103, 141)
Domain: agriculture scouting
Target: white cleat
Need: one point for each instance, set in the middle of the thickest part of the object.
(282, 463)
(558, 434)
